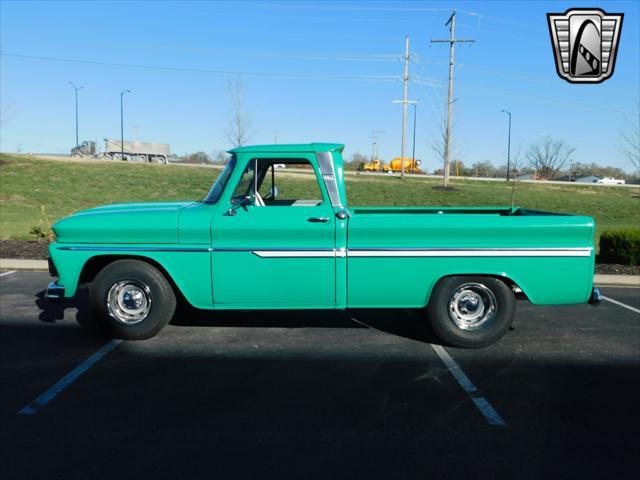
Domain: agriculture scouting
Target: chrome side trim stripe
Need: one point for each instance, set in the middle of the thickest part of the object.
(353, 252)
(472, 252)
(99, 248)
(431, 252)
(295, 253)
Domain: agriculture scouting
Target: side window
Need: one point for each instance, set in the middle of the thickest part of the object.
(287, 183)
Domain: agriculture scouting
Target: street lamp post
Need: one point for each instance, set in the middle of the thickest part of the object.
(413, 154)
(76, 89)
(508, 144)
(122, 123)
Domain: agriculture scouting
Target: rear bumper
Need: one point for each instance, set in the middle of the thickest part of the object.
(596, 297)
(55, 292)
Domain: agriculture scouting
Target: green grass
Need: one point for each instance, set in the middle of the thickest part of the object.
(27, 184)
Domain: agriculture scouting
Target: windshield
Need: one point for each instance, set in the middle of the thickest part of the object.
(221, 182)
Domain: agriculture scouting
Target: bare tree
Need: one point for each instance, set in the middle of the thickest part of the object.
(549, 156)
(6, 114)
(238, 132)
(516, 163)
(358, 157)
(355, 161)
(440, 140)
(219, 157)
(630, 138)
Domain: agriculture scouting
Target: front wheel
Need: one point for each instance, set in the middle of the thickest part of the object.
(132, 299)
(471, 312)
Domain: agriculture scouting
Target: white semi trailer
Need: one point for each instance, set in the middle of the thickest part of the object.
(136, 151)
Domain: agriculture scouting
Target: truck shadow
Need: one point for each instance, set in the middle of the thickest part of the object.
(410, 324)
(55, 312)
(406, 323)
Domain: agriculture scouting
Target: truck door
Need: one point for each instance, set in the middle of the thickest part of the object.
(275, 245)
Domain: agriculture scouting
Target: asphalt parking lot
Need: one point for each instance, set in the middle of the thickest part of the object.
(355, 394)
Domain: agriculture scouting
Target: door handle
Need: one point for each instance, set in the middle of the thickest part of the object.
(318, 219)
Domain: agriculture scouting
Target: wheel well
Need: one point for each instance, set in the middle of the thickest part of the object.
(97, 263)
(515, 288)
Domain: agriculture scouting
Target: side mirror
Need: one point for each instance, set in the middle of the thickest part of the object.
(236, 203)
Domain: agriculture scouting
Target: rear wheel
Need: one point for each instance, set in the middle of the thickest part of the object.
(132, 299)
(471, 312)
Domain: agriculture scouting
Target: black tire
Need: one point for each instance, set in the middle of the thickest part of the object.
(142, 282)
(447, 309)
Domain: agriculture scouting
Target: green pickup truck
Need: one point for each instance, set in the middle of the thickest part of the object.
(251, 244)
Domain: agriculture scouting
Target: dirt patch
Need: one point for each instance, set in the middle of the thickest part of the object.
(615, 269)
(27, 249)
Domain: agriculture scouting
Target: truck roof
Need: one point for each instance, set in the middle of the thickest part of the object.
(290, 148)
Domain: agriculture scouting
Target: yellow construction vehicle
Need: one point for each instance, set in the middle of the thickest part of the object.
(410, 165)
(376, 166)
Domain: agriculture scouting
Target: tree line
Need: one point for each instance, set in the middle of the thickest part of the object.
(546, 159)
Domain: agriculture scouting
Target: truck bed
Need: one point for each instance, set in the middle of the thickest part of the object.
(549, 256)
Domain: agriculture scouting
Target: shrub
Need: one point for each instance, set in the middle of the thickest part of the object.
(620, 246)
(43, 230)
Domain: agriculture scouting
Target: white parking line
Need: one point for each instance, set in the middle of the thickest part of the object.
(4, 274)
(65, 381)
(480, 401)
(623, 305)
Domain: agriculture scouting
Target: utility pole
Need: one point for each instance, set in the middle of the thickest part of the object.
(404, 102)
(413, 154)
(122, 123)
(373, 149)
(452, 40)
(375, 134)
(76, 89)
(508, 144)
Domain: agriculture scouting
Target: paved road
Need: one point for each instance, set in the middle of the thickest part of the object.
(316, 395)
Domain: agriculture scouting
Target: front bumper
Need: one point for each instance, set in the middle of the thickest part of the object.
(52, 268)
(55, 292)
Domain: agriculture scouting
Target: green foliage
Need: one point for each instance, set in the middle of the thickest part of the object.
(43, 230)
(620, 246)
(41, 233)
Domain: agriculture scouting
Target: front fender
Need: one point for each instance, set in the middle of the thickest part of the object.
(188, 266)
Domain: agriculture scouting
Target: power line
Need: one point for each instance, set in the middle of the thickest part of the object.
(384, 9)
(536, 99)
(349, 56)
(379, 78)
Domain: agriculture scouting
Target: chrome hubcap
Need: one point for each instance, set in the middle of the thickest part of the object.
(472, 306)
(129, 301)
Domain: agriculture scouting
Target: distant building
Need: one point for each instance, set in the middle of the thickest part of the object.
(566, 178)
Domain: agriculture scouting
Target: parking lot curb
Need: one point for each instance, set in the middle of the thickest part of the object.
(616, 280)
(23, 264)
(598, 279)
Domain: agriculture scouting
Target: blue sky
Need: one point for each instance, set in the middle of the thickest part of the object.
(317, 71)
